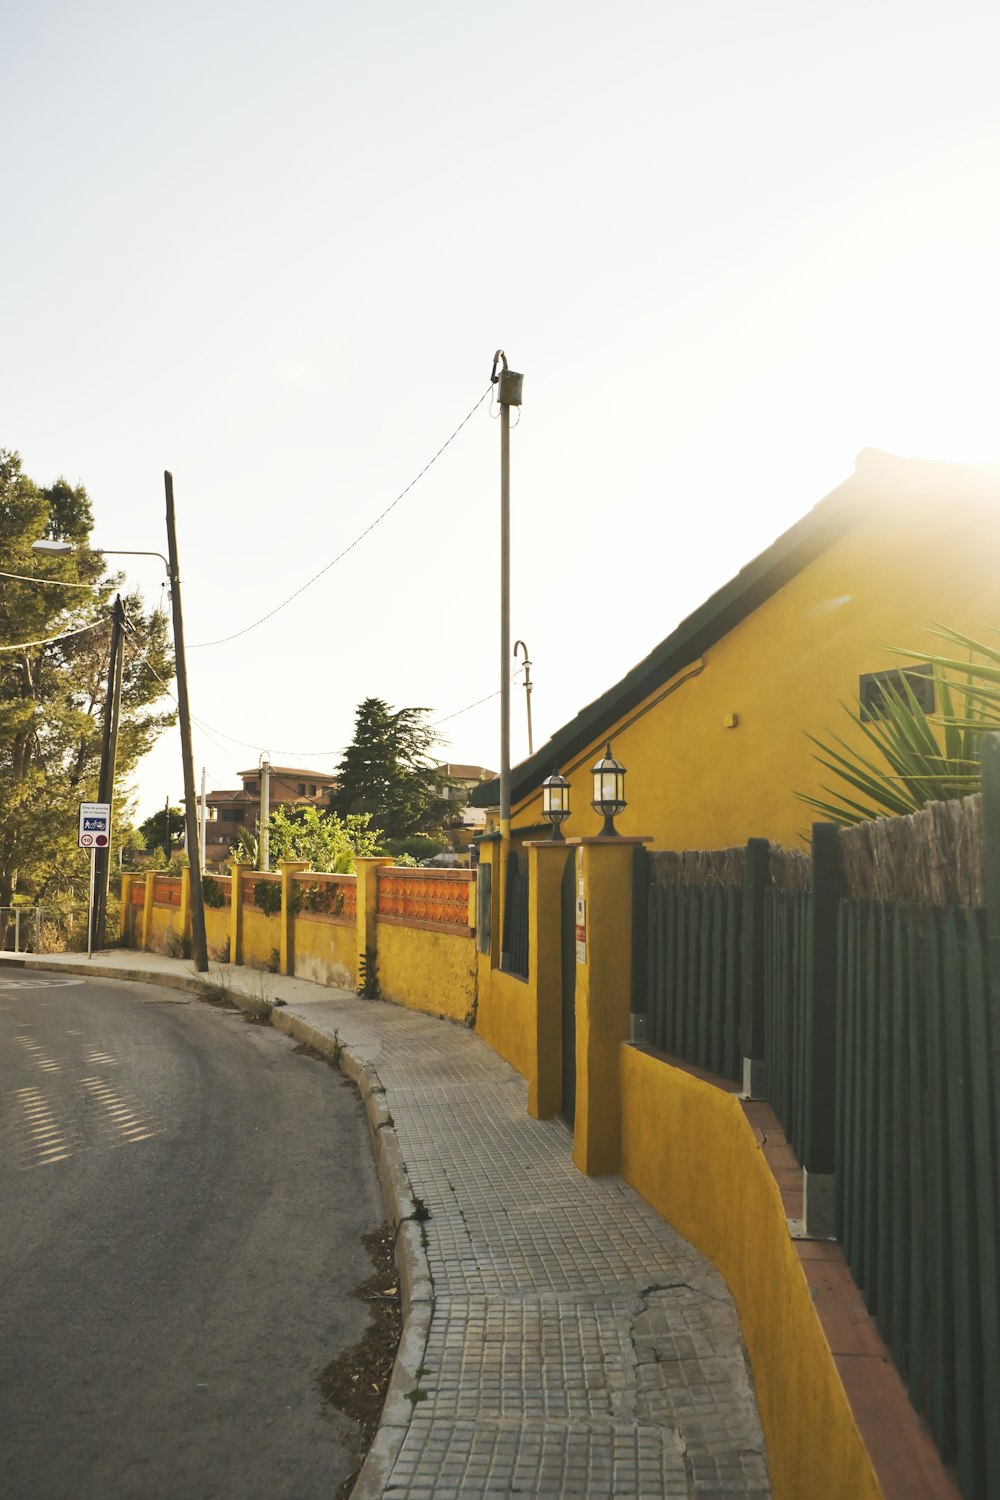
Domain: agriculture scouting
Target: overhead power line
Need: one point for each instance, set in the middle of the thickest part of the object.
(224, 639)
(56, 583)
(51, 639)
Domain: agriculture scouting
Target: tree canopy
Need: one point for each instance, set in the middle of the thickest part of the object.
(54, 644)
(387, 771)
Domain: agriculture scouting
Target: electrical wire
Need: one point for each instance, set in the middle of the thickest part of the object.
(49, 640)
(460, 711)
(224, 639)
(55, 583)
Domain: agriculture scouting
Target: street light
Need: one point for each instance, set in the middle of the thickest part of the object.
(609, 791)
(555, 801)
(59, 549)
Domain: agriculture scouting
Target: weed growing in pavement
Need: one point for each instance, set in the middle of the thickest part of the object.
(338, 1049)
(421, 1213)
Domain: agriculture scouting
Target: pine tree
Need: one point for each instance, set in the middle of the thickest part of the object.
(52, 690)
(387, 771)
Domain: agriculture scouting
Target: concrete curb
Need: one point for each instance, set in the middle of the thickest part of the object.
(415, 1281)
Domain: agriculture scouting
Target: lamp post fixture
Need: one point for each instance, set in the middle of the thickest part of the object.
(555, 802)
(609, 791)
(527, 690)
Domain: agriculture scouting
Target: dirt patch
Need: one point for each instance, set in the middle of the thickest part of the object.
(357, 1380)
(220, 998)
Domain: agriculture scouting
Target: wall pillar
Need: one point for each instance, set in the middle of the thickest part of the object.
(185, 912)
(147, 911)
(546, 866)
(236, 914)
(125, 910)
(603, 997)
(289, 869)
(366, 872)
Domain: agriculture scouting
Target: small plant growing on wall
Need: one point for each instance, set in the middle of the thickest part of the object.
(267, 897)
(367, 976)
(212, 892)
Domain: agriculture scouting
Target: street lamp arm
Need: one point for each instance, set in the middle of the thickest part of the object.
(124, 552)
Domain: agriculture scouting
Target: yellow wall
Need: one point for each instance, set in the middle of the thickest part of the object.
(425, 970)
(261, 938)
(217, 920)
(506, 1017)
(326, 952)
(785, 671)
(165, 930)
(688, 1150)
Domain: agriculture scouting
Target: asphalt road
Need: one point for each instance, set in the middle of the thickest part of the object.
(182, 1197)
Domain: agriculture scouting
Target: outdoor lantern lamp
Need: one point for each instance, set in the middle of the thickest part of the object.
(609, 791)
(555, 801)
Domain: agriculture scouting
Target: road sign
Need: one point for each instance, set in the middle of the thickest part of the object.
(95, 825)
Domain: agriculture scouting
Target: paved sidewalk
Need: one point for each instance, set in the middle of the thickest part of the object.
(567, 1341)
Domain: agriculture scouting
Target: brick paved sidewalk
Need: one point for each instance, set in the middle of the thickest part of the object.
(577, 1346)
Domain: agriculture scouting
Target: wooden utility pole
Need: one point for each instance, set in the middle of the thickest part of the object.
(199, 945)
(106, 780)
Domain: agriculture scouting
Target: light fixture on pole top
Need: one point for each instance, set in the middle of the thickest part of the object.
(609, 791)
(555, 801)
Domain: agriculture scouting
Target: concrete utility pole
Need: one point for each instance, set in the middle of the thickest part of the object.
(199, 944)
(106, 779)
(508, 395)
(204, 813)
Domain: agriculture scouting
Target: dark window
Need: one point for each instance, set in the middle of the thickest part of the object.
(920, 681)
(302, 788)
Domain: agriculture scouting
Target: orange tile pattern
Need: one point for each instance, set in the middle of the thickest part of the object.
(137, 894)
(333, 896)
(166, 891)
(435, 896)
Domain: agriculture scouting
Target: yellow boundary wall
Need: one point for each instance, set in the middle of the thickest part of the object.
(688, 1150)
(326, 952)
(434, 972)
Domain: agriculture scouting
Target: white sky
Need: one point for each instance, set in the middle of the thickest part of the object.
(274, 248)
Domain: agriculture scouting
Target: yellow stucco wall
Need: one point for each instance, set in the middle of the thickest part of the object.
(428, 971)
(261, 938)
(506, 1018)
(326, 952)
(784, 671)
(165, 930)
(217, 920)
(688, 1150)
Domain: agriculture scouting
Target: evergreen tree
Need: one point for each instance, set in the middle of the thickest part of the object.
(52, 691)
(387, 771)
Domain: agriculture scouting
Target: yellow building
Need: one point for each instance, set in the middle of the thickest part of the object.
(712, 725)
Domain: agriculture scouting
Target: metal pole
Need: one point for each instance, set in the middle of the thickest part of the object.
(264, 842)
(17, 929)
(90, 908)
(527, 690)
(204, 812)
(109, 754)
(199, 945)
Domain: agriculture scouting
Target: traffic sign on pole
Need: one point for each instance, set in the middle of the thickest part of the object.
(95, 825)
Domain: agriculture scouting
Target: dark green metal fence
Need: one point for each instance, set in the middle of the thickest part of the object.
(514, 952)
(918, 1155)
(695, 974)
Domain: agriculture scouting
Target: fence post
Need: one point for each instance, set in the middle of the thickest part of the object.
(366, 923)
(289, 869)
(638, 1026)
(236, 914)
(125, 910)
(546, 863)
(185, 908)
(603, 998)
(819, 1136)
(758, 878)
(147, 911)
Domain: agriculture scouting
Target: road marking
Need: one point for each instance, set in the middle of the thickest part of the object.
(38, 984)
